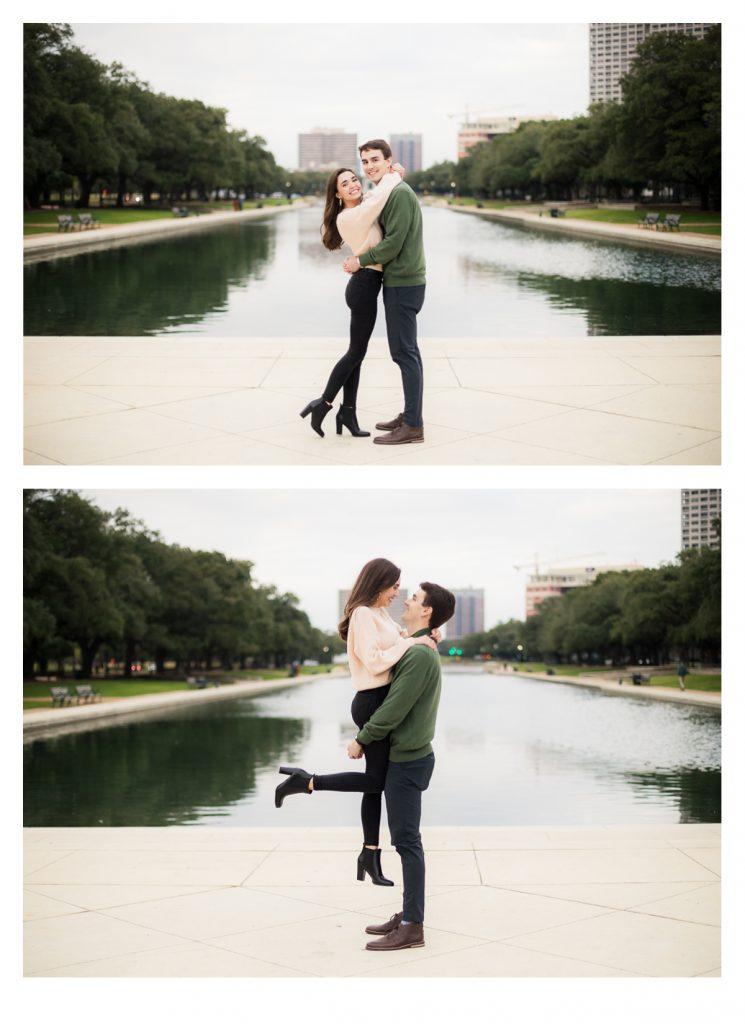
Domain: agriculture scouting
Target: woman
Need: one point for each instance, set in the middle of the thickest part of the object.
(374, 644)
(347, 218)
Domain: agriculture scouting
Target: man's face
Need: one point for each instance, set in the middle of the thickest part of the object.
(416, 613)
(374, 164)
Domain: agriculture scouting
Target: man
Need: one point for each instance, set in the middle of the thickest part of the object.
(407, 716)
(402, 254)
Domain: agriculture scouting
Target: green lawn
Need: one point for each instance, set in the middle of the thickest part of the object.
(42, 221)
(711, 683)
(37, 695)
(703, 222)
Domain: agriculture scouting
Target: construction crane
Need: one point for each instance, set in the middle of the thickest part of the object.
(465, 114)
(554, 561)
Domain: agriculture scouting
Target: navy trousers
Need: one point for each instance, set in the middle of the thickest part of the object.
(401, 308)
(404, 785)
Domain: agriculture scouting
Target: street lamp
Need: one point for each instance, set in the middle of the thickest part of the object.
(288, 186)
(520, 653)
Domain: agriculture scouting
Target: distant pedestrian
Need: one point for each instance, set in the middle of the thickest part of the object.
(682, 673)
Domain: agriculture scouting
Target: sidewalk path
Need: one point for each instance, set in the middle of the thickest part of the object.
(47, 721)
(108, 236)
(628, 233)
(488, 401)
(243, 902)
(608, 684)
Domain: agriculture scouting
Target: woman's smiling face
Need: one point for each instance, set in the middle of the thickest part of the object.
(349, 188)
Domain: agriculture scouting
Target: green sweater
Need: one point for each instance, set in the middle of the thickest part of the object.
(401, 252)
(409, 712)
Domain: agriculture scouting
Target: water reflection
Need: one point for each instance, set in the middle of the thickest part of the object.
(509, 751)
(273, 278)
(167, 771)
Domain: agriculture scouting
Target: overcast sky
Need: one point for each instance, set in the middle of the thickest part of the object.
(370, 79)
(313, 543)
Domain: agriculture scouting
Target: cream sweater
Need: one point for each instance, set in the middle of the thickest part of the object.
(358, 225)
(374, 645)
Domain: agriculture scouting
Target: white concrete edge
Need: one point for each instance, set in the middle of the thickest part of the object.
(50, 720)
(632, 236)
(701, 698)
(68, 244)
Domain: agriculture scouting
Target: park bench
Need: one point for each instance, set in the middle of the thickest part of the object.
(556, 211)
(671, 222)
(649, 220)
(179, 211)
(87, 220)
(65, 222)
(60, 695)
(86, 693)
(638, 679)
(200, 682)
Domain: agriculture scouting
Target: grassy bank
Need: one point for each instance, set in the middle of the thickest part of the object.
(710, 681)
(704, 222)
(36, 222)
(37, 695)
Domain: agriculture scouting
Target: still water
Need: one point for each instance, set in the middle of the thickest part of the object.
(509, 751)
(272, 278)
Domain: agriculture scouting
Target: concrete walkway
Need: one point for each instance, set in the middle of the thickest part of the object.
(242, 902)
(48, 721)
(610, 684)
(488, 401)
(628, 233)
(108, 236)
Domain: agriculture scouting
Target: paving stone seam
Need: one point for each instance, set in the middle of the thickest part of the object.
(706, 867)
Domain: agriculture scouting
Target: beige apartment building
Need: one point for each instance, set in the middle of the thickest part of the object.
(558, 580)
(324, 149)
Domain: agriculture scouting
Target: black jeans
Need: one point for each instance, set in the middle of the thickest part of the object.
(371, 782)
(404, 785)
(401, 308)
(362, 298)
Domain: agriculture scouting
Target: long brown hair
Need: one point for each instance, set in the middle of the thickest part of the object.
(329, 232)
(376, 575)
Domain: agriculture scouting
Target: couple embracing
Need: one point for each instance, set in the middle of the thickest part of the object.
(384, 232)
(396, 675)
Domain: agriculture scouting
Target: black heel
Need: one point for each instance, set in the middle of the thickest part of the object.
(318, 409)
(369, 862)
(297, 783)
(347, 417)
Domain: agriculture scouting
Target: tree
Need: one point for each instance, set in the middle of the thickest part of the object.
(672, 110)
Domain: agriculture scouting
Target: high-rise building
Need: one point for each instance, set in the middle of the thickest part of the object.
(699, 509)
(395, 610)
(407, 150)
(473, 131)
(469, 614)
(558, 580)
(325, 149)
(613, 47)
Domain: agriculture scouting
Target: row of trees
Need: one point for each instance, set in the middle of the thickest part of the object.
(98, 127)
(646, 615)
(665, 135)
(99, 585)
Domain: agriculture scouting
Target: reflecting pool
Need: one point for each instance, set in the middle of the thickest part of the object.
(271, 277)
(509, 751)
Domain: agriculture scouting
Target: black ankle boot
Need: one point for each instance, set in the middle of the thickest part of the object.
(318, 409)
(369, 861)
(347, 417)
(297, 783)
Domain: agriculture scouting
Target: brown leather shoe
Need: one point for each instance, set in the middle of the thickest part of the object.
(383, 929)
(402, 435)
(391, 424)
(406, 936)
